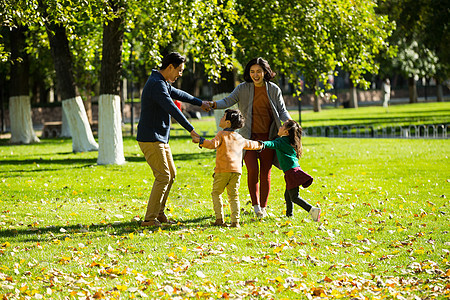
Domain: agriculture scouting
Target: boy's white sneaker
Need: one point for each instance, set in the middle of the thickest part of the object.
(315, 214)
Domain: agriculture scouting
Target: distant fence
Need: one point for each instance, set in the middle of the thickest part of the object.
(405, 132)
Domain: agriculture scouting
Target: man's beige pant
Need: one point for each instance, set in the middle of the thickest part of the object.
(159, 158)
(231, 182)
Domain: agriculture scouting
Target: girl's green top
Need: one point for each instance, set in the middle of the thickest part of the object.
(286, 154)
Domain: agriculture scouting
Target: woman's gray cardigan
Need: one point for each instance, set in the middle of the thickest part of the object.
(243, 95)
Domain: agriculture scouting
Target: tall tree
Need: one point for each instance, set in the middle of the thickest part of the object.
(110, 121)
(19, 90)
(422, 37)
(22, 131)
(73, 107)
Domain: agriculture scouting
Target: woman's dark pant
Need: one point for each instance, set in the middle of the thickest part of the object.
(258, 175)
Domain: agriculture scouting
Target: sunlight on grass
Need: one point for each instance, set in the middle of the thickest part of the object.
(70, 228)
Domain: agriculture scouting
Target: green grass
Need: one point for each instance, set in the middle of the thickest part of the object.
(433, 113)
(69, 228)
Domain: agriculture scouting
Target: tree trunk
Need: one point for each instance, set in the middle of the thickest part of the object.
(440, 91)
(317, 107)
(62, 59)
(412, 90)
(82, 138)
(22, 131)
(110, 131)
(353, 96)
(110, 121)
(65, 128)
(316, 104)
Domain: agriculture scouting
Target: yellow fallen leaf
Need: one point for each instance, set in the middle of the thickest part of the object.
(121, 288)
(278, 249)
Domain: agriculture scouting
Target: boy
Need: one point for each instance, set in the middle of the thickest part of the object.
(228, 170)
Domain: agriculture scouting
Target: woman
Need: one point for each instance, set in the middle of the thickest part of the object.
(261, 102)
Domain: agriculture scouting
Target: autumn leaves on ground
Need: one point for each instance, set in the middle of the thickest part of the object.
(70, 228)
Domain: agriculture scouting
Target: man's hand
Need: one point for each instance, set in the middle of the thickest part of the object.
(195, 137)
(213, 104)
(206, 106)
(194, 134)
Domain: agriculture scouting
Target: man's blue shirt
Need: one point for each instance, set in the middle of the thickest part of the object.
(157, 107)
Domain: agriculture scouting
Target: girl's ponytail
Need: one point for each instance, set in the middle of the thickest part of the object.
(295, 136)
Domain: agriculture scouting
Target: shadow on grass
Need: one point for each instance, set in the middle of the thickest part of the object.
(79, 163)
(34, 234)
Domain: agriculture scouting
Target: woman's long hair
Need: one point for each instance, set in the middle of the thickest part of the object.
(295, 136)
(268, 73)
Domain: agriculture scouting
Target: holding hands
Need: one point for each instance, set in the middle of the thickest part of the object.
(208, 105)
(195, 137)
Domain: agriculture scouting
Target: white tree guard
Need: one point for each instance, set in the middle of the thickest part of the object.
(65, 128)
(82, 137)
(110, 141)
(22, 131)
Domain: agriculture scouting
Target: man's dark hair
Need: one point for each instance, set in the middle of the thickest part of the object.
(173, 58)
(235, 117)
(268, 73)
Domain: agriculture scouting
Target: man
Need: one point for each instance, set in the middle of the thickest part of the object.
(157, 108)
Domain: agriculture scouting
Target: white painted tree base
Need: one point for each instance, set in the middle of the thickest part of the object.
(110, 151)
(22, 131)
(65, 129)
(82, 137)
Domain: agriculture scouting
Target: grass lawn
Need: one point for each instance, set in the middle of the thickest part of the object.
(433, 113)
(69, 228)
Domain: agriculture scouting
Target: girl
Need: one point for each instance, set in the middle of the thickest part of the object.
(289, 148)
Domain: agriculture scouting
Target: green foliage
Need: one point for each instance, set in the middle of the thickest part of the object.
(414, 60)
(421, 35)
(310, 39)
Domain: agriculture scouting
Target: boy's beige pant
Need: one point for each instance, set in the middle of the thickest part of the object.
(231, 182)
(159, 158)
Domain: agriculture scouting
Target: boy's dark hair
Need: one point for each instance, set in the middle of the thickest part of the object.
(235, 117)
(268, 73)
(173, 58)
